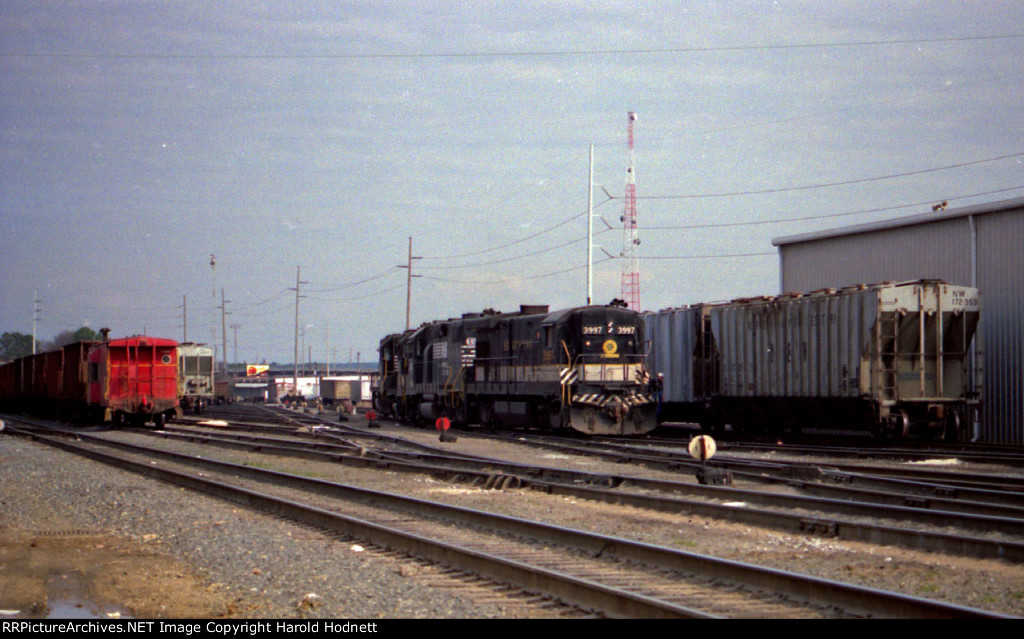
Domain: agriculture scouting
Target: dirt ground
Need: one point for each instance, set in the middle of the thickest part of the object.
(83, 576)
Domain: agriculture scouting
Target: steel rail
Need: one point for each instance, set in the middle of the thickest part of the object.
(1010, 484)
(783, 472)
(734, 505)
(575, 591)
(1005, 457)
(814, 591)
(934, 510)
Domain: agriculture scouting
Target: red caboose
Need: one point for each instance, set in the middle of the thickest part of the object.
(134, 380)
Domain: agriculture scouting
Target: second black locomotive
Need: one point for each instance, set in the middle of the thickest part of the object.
(580, 368)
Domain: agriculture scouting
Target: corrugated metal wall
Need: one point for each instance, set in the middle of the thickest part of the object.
(941, 248)
(1001, 281)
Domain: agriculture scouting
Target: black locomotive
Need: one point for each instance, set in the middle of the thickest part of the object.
(580, 368)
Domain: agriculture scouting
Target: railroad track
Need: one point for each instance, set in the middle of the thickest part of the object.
(670, 454)
(856, 445)
(614, 576)
(1012, 456)
(1007, 489)
(985, 530)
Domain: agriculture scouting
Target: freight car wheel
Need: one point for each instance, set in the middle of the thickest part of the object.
(902, 425)
(894, 426)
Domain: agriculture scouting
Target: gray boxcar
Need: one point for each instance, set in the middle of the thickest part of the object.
(890, 358)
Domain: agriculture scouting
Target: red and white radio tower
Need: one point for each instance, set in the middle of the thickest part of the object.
(631, 234)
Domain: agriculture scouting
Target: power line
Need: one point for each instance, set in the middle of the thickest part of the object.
(704, 226)
(510, 54)
(523, 278)
(805, 218)
(725, 130)
(829, 184)
(357, 297)
(707, 257)
(670, 197)
(288, 307)
(390, 271)
(506, 259)
(573, 218)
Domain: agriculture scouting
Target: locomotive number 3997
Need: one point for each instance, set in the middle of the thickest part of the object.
(612, 330)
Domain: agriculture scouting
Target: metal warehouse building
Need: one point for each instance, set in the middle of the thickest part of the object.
(980, 246)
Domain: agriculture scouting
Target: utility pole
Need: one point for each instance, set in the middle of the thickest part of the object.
(590, 231)
(408, 284)
(184, 318)
(213, 324)
(298, 284)
(35, 318)
(224, 330)
(235, 328)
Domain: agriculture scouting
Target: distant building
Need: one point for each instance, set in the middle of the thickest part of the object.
(980, 246)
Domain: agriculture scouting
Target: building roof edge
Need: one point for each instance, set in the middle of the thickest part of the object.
(922, 218)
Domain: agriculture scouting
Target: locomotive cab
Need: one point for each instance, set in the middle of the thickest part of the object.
(611, 341)
(609, 395)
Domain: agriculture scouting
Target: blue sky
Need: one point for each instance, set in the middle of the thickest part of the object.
(137, 139)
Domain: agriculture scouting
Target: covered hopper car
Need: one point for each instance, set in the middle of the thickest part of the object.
(892, 359)
(579, 368)
(195, 376)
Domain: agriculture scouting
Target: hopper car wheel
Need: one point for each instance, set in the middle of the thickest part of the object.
(902, 425)
(897, 425)
(894, 426)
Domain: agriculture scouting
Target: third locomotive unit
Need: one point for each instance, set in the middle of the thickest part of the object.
(580, 368)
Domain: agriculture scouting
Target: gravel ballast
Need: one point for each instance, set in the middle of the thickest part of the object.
(248, 564)
(253, 565)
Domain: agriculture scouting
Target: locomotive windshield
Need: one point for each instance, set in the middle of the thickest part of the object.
(610, 334)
